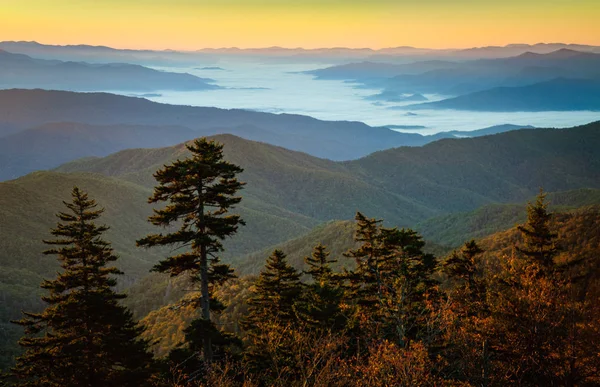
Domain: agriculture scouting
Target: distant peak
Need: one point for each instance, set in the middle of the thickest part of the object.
(558, 54)
(529, 54)
(565, 53)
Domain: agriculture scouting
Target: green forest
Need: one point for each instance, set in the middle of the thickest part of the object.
(507, 294)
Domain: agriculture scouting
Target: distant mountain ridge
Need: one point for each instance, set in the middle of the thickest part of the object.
(560, 94)
(22, 71)
(48, 128)
(49, 145)
(460, 78)
(71, 52)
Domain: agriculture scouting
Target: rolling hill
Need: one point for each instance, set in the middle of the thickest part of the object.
(277, 178)
(440, 233)
(453, 230)
(453, 175)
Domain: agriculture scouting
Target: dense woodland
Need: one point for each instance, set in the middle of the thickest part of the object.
(374, 307)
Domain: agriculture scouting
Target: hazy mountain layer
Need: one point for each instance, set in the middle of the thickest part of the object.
(555, 95)
(55, 127)
(49, 145)
(339, 140)
(22, 71)
(483, 77)
(102, 54)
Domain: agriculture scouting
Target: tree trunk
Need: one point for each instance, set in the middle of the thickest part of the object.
(485, 371)
(205, 301)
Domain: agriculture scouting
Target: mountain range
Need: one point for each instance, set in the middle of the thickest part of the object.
(288, 193)
(556, 95)
(43, 129)
(103, 54)
(563, 73)
(22, 71)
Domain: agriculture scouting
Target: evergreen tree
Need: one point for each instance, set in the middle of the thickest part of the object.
(277, 290)
(392, 281)
(529, 328)
(538, 241)
(319, 265)
(467, 350)
(464, 268)
(84, 337)
(272, 315)
(411, 290)
(365, 284)
(200, 190)
(322, 298)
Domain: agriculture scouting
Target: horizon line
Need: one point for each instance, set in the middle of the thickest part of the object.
(296, 48)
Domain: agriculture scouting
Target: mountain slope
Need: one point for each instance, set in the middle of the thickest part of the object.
(27, 213)
(339, 140)
(289, 193)
(463, 174)
(316, 188)
(578, 237)
(455, 229)
(50, 145)
(482, 75)
(402, 185)
(555, 95)
(22, 71)
(338, 236)
(440, 233)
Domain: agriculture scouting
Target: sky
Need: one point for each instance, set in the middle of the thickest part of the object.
(195, 24)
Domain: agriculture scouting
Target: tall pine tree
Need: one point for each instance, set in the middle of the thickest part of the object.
(200, 190)
(467, 349)
(464, 268)
(365, 282)
(322, 298)
(538, 241)
(277, 290)
(272, 315)
(84, 337)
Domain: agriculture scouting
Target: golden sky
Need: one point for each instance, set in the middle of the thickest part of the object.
(194, 24)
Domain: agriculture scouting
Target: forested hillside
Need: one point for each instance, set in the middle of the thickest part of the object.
(463, 174)
(442, 234)
(453, 229)
(290, 193)
(275, 193)
(402, 184)
(576, 234)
